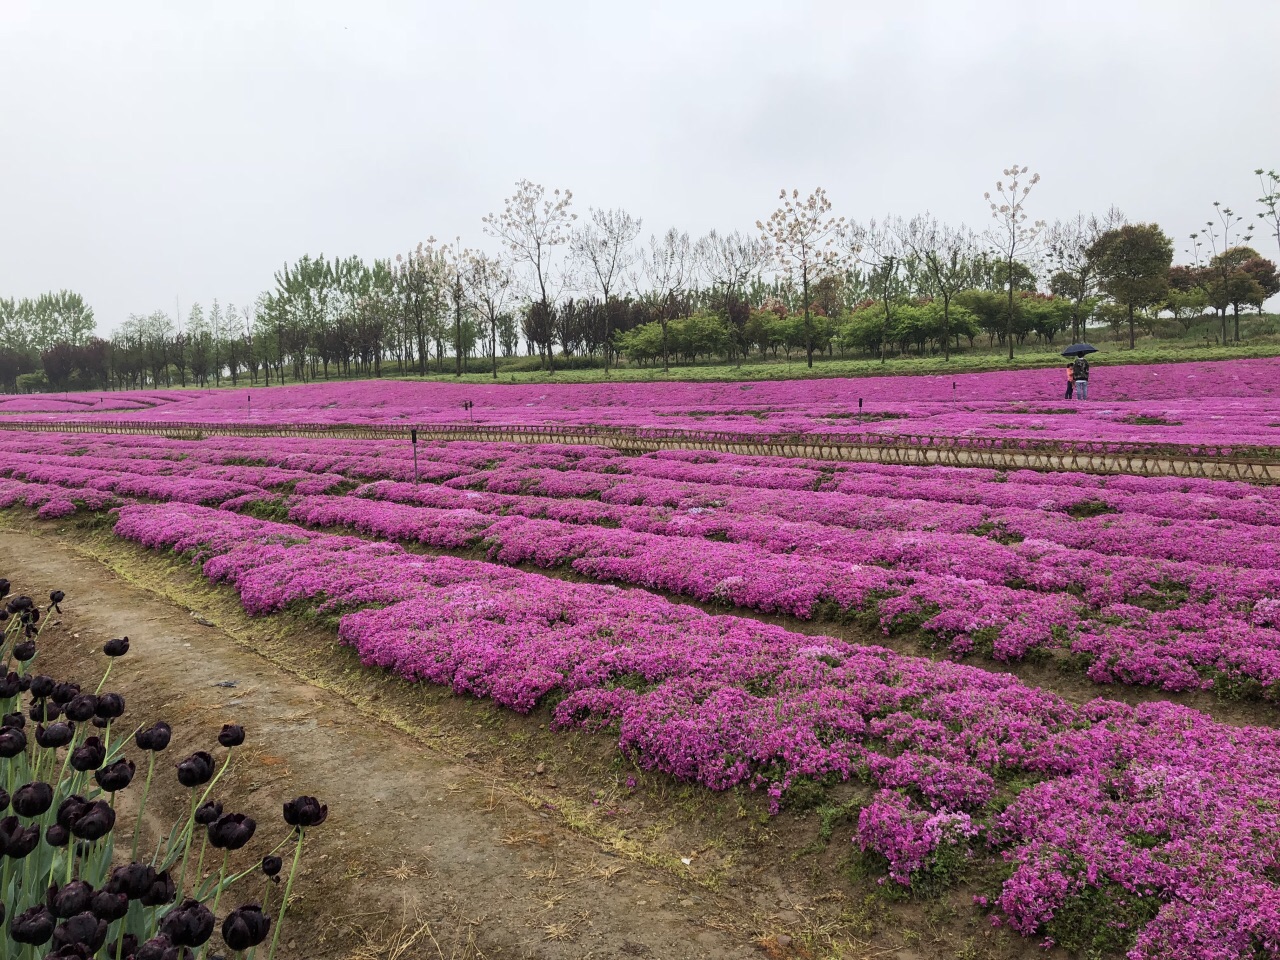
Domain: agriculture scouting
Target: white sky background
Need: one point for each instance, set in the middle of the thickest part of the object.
(154, 150)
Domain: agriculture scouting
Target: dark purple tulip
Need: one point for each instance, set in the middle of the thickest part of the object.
(33, 926)
(57, 835)
(134, 880)
(25, 651)
(24, 683)
(109, 906)
(189, 924)
(162, 948)
(54, 735)
(10, 684)
(116, 776)
(4, 614)
(20, 604)
(18, 841)
(116, 648)
(305, 812)
(196, 770)
(83, 928)
(110, 706)
(32, 799)
(14, 719)
(126, 948)
(13, 740)
(44, 711)
(245, 927)
(231, 735)
(208, 813)
(69, 951)
(100, 724)
(55, 598)
(271, 866)
(4, 588)
(64, 692)
(69, 900)
(72, 809)
(161, 891)
(96, 822)
(155, 738)
(89, 755)
(81, 707)
(41, 686)
(231, 832)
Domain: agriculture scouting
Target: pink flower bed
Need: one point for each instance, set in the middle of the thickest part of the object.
(1155, 808)
(1235, 402)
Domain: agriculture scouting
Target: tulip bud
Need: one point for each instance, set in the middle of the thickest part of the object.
(41, 686)
(161, 891)
(33, 926)
(72, 809)
(196, 770)
(305, 812)
(271, 866)
(189, 924)
(55, 735)
(116, 776)
(81, 707)
(134, 880)
(24, 651)
(64, 692)
(33, 799)
(231, 735)
(57, 835)
(116, 648)
(18, 841)
(12, 742)
(10, 684)
(109, 906)
(88, 756)
(231, 832)
(82, 928)
(15, 720)
(69, 900)
(154, 738)
(110, 706)
(45, 711)
(245, 927)
(96, 822)
(208, 813)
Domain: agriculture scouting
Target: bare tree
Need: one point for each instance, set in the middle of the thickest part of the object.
(489, 287)
(946, 254)
(532, 225)
(729, 261)
(669, 267)
(604, 248)
(1012, 235)
(879, 248)
(802, 236)
(1218, 235)
(1270, 201)
(1073, 272)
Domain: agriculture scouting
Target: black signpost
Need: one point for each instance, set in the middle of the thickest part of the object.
(859, 411)
(413, 438)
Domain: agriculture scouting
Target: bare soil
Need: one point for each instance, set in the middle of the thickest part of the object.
(457, 829)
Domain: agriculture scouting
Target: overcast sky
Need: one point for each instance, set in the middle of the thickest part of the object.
(160, 150)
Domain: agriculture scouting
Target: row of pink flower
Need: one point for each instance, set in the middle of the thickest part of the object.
(1156, 801)
(952, 584)
(1199, 403)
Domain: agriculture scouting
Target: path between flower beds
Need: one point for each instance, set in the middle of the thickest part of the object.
(1254, 465)
(411, 833)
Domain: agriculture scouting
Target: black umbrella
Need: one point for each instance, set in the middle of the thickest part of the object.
(1079, 350)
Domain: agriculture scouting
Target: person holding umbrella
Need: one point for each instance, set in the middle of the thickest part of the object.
(1079, 368)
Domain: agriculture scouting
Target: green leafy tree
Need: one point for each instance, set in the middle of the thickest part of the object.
(1133, 267)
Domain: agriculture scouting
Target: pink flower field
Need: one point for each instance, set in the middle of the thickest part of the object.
(1235, 402)
(627, 595)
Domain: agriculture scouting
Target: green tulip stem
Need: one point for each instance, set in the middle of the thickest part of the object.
(142, 806)
(186, 845)
(111, 662)
(288, 888)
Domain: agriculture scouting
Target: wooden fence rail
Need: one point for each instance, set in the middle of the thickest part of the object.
(1206, 461)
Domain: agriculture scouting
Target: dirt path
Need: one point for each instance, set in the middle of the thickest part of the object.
(413, 838)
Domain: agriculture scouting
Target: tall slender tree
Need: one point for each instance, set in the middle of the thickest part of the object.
(1013, 234)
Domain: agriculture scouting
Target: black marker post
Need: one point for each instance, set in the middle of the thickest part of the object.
(859, 411)
(413, 438)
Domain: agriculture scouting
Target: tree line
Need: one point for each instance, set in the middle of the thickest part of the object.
(563, 291)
